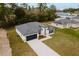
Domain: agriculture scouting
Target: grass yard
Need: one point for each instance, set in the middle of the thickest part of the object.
(65, 42)
(19, 48)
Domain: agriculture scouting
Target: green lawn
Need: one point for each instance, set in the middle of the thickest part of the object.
(65, 42)
(19, 48)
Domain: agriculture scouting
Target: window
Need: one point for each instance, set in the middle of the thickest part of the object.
(51, 30)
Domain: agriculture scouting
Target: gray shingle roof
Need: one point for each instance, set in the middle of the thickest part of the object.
(77, 17)
(74, 22)
(62, 21)
(66, 21)
(29, 28)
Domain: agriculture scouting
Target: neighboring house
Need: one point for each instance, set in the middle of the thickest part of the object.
(76, 18)
(66, 23)
(63, 14)
(32, 30)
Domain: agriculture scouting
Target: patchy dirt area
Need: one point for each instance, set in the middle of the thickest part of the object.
(5, 49)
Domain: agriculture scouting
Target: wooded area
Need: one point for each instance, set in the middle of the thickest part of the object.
(72, 10)
(12, 14)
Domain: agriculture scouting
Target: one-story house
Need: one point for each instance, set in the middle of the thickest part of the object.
(76, 18)
(32, 30)
(66, 23)
(63, 14)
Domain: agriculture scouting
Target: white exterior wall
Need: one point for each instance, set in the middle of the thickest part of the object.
(67, 26)
(75, 25)
(61, 26)
(77, 20)
(37, 36)
(59, 18)
(23, 37)
(43, 31)
(47, 32)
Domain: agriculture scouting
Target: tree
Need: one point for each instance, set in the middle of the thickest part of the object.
(42, 7)
(53, 8)
(24, 5)
(4, 12)
(25, 13)
(20, 13)
(51, 12)
(13, 6)
(70, 10)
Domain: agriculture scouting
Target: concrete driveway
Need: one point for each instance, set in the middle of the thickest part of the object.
(41, 49)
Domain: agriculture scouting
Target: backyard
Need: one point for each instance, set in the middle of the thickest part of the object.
(65, 42)
(19, 48)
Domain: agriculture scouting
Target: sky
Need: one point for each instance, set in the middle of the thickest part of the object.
(61, 5)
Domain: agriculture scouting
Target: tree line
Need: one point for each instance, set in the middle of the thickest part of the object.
(12, 14)
(72, 10)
